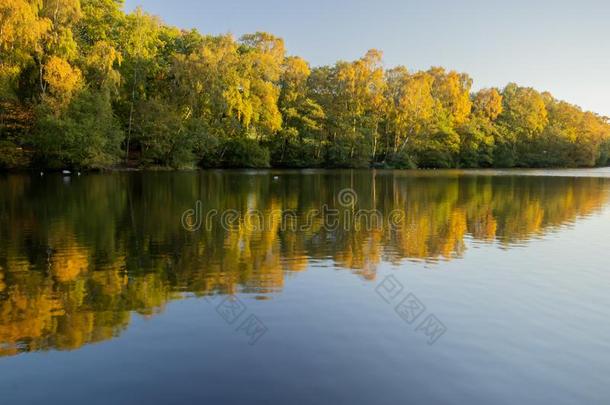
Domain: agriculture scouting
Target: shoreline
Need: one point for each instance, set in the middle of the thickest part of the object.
(551, 171)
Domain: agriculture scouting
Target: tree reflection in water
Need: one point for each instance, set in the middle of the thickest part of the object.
(78, 258)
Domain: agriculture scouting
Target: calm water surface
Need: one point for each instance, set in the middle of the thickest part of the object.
(305, 287)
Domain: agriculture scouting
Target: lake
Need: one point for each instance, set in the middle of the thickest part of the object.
(308, 286)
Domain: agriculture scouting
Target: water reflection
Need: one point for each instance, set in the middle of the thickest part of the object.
(77, 258)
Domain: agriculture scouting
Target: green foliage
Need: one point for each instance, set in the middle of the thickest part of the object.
(94, 72)
(13, 156)
(290, 149)
(163, 137)
(347, 153)
(242, 153)
(401, 160)
(477, 142)
(85, 135)
(439, 150)
(604, 155)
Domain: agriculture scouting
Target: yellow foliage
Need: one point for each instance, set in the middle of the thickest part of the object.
(488, 103)
(68, 265)
(452, 89)
(20, 26)
(62, 79)
(70, 300)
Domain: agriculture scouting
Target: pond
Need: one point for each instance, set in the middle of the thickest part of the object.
(312, 286)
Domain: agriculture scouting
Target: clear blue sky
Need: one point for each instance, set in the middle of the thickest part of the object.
(560, 46)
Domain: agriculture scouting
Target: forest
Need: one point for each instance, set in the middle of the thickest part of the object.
(85, 85)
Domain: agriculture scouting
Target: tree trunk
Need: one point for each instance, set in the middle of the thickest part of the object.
(130, 126)
(375, 136)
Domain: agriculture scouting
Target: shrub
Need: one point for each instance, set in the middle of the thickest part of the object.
(243, 153)
(85, 135)
(12, 156)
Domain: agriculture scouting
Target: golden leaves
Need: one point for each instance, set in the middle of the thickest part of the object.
(20, 26)
(488, 103)
(63, 79)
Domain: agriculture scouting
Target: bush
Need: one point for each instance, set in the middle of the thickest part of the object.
(85, 135)
(286, 152)
(347, 154)
(604, 155)
(400, 160)
(12, 156)
(434, 158)
(243, 153)
(164, 138)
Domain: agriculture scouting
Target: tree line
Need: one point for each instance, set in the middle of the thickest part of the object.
(85, 85)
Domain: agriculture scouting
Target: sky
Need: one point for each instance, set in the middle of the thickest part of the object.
(558, 46)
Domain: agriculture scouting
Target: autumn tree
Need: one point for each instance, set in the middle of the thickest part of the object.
(523, 119)
(139, 46)
(478, 135)
(178, 98)
(299, 142)
(411, 110)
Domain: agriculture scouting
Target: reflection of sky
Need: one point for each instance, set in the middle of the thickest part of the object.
(559, 46)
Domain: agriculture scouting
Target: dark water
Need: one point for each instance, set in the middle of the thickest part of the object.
(305, 287)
